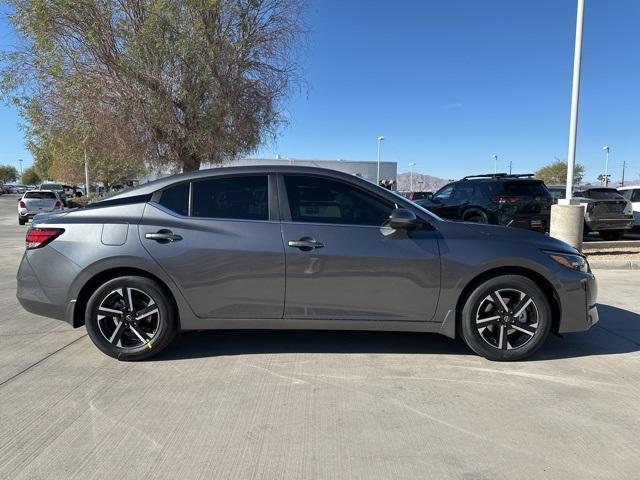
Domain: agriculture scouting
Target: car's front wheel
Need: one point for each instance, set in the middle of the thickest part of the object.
(130, 318)
(505, 318)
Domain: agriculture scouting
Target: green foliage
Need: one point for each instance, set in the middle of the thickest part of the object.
(8, 173)
(150, 81)
(556, 173)
(30, 177)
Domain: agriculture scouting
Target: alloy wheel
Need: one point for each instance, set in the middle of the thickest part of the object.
(128, 318)
(507, 319)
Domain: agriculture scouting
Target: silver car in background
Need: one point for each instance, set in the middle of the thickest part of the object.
(34, 202)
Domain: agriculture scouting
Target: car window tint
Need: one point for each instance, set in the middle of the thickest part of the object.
(40, 195)
(243, 198)
(176, 199)
(636, 196)
(444, 193)
(463, 191)
(603, 194)
(318, 200)
(535, 188)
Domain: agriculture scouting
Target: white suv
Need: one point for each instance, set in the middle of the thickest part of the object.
(633, 195)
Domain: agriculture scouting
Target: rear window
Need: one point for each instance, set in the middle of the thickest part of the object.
(603, 194)
(40, 195)
(176, 199)
(522, 188)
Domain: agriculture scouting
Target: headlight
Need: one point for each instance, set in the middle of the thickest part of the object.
(574, 262)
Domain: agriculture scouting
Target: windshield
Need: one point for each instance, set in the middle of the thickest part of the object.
(40, 195)
(404, 199)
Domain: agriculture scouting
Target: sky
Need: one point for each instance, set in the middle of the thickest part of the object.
(449, 83)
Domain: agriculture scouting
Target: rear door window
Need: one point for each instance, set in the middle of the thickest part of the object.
(41, 195)
(636, 195)
(242, 198)
(525, 188)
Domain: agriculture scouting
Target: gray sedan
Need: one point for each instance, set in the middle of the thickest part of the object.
(289, 247)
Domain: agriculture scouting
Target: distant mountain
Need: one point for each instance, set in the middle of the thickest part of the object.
(421, 182)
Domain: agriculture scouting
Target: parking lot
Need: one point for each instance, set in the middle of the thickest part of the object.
(282, 405)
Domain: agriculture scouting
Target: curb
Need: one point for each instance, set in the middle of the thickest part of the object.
(615, 265)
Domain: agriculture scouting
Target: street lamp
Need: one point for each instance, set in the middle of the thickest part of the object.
(606, 165)
(86, 167)
(495, 163)
(20, 160)
(411, 165)
(380, 139)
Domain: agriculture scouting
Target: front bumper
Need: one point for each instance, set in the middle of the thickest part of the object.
(578, 304)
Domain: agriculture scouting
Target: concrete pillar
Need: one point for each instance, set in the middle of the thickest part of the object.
(567, 224)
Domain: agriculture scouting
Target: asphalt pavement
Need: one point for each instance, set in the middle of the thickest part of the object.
(316, 405)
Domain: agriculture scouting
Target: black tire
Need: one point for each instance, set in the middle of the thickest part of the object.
(131, 338)
(612, 235)
(21, 220)
(481, 339)
(475, 217)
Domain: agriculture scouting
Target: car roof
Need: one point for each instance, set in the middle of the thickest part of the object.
(629, 187)
(150, 187)
(40, 190)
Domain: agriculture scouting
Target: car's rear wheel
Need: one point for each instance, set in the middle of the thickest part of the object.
(130, 318)
(611, 235)
(505, 318)
(21, 220)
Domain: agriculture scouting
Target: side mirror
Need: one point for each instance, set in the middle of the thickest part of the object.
(401, 218)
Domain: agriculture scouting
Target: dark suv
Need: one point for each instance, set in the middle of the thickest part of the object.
(500, 199)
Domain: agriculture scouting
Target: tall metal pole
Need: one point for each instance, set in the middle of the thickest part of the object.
(86, 168)
(495, 163)
(624, 166)
(606, 165)
(510, 166)
(380, 139)
(21, 173)
(411, 165)
(575, 97)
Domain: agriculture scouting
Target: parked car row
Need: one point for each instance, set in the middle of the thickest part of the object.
(523, 201)
(38, 201)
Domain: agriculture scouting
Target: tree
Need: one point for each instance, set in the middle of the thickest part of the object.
(8, 173)
(31, 177)
(556, 173)
(177, 82)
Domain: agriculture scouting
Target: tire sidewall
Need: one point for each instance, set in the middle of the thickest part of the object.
(467, 320)
(166, 330)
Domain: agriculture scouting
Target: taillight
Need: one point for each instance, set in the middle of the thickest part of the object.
(21, 204)
(505, 199)
(57, 205)
(39, 237)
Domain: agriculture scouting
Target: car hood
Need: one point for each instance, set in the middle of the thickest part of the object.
(542, 241)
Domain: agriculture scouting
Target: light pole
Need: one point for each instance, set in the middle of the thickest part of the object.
(495, 163)
(411, 165)
(380, 139)
(567, 216)
(606, 165)
(20, 160)
(86, 167)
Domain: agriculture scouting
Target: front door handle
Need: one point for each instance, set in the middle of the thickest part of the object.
(163, 236)
(305, 244)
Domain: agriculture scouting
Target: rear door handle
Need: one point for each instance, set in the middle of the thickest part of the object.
(163, 236)
(305, 244)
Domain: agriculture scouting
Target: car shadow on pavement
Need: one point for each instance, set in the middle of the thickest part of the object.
(617, 332)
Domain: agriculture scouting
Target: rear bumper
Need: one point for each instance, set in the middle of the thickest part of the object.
(538, 223)
(46, 295)
(597, 224)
